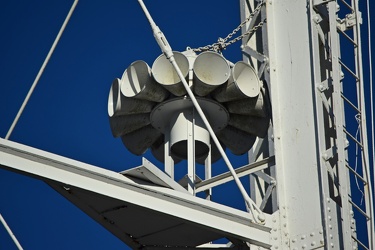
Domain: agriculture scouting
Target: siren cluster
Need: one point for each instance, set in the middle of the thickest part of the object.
(149, 107)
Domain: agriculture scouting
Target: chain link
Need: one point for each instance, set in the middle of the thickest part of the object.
(222, 43)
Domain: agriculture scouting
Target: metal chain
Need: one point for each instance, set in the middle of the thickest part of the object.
(222, 43)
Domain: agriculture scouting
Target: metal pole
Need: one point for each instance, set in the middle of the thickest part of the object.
(167, 50)
(41, 70)
(10, 233)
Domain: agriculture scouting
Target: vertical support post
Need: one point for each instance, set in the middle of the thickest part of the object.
(208, 172)
(168, 161)
(294, 122)
(191, 155)
(339, 122)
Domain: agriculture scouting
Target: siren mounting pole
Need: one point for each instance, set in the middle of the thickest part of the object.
(257, 214)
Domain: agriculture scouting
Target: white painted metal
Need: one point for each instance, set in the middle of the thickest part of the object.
(300, 172)
(293, 121)
(109, 193)
(167, 50)
(313, 208)
(210, 71)
(138, 83)
(7, 228)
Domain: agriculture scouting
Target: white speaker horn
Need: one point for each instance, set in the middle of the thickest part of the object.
(138, 141)
(118, 104)
(251, 124)
(124, 124)
(210, 71)
(250, 106)
(243, 83)
(237, 141)
(165, 74)
(138, 83)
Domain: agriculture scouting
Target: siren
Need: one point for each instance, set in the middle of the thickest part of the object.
(148, 107)
(210, 71)
(164, 73)
(137, 82)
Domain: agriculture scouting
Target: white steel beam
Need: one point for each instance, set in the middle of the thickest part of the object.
(94, 183)
(295, 128)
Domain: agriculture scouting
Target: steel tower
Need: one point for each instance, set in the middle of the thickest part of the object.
(286, 105)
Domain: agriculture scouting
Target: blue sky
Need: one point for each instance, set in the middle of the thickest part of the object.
(67, 114)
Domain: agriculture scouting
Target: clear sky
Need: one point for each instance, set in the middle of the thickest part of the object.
(67, 114)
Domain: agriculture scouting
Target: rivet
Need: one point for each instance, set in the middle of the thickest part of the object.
(303, 237)
(312, 234)
(294, 240)
(313, 243)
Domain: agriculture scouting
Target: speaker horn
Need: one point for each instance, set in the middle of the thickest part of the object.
(251, 124)
(210, 71)
(250, 106)
(165, 74)
(124, 124)
(138, 83)
(243, 83)
(118, 104)
(237, 141)
(138, 141)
